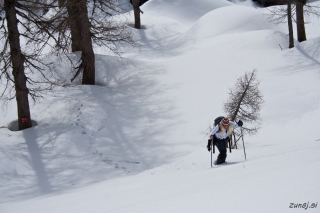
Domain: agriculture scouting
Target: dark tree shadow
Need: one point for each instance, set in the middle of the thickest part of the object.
(87, 134)
(36, 161)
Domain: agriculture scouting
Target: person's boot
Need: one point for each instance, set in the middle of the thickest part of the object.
(217, 162)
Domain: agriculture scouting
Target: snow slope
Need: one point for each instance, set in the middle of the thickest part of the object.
(136, 141)
(189, 185)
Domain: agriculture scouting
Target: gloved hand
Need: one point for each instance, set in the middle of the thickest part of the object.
(240, 123)
(209, 145)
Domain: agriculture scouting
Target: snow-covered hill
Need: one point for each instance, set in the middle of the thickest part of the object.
(136, 141)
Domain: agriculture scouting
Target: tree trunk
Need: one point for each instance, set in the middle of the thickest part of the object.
(291, 40)
(136, 9)
(88, 59)
(74, 24)
(17, 59)
(61, 3)
(300, 21)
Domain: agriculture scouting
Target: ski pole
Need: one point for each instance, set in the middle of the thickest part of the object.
(244, 148)
(211, 151)
(212, 146)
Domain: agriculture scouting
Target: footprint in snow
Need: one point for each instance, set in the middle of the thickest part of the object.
(132, 162)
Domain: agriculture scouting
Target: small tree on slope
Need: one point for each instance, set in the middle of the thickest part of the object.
(244, 103)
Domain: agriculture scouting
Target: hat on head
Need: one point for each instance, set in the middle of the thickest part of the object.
(225, 121)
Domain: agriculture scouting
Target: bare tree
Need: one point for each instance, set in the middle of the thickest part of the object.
(87, 57)
(76, 19)
(289, 12)
(301, 32)
(74, 23)
(283, 14)
(23, 68)
(295, 10)
(136, 10)
(90, 23)
(244, 103)
(19, 19)
(17, 60)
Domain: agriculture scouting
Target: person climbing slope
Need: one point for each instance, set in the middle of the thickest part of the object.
(220, 136)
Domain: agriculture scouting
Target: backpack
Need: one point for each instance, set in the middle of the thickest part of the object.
(218, 120)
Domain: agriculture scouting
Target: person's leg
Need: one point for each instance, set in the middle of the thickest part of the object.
(221, 145)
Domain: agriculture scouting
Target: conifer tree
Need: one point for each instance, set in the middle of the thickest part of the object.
(294, 10)
(301, 31)
(290, 27)
(90, 22)
(244, 103)
(136, 10)
(19, 61)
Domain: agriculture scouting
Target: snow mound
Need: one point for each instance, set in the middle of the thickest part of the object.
(183, 11)
(215, 23)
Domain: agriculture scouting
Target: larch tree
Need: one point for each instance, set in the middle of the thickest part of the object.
(283, 14)
(75, 19)
(87, 56)
(20, 60)
(74, 23)
(297, 10)
(290, 26)
(244, 103)
(17, 64)
(136, 11)
(301, 31)
(90, 22)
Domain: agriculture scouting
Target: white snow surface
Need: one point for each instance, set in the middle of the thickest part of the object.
(135, 142)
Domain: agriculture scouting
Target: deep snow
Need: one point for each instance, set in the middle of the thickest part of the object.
(136, 141)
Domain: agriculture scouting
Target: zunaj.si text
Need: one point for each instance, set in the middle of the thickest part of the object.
(303, 205)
